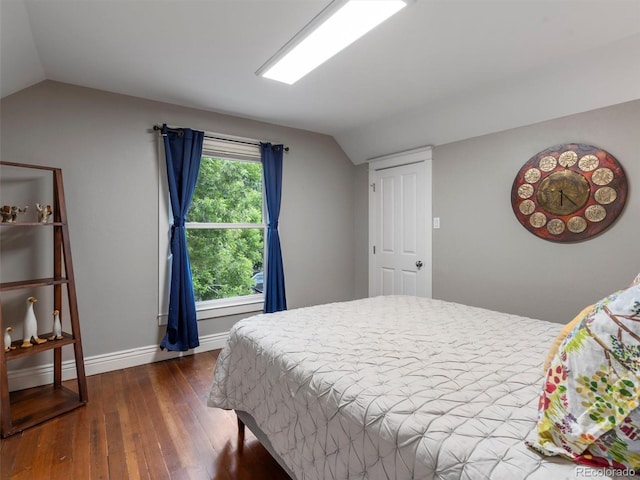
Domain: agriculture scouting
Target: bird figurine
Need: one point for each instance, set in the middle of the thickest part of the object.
(30, 329)
(7, 339)
(57, 327)
(5, 212)
(44, 212)
(15, 211)
(10, 213)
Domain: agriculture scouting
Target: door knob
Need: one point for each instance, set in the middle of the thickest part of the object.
(419, 264)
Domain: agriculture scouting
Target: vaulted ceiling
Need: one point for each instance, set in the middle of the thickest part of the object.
(436, 72)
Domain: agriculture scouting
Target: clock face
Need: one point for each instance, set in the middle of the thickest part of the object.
(569, 192)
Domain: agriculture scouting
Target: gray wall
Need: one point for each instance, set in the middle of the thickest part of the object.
(484, 257)
(109, 159)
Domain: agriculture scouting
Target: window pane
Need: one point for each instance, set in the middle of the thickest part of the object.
(225, 262)
(227, 191)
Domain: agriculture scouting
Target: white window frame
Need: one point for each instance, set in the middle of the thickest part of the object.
(234, 149)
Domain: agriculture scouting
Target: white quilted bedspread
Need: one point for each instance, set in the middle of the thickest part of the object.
(393, 388)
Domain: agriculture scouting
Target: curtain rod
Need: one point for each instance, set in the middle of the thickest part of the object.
(178, 130)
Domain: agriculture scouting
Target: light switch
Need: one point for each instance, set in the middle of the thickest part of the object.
(436, 222)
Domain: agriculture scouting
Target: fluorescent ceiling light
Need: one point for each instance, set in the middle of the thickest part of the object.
(336, 27)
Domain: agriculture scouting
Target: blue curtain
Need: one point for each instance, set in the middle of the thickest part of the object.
(183, 149)
(274, 298)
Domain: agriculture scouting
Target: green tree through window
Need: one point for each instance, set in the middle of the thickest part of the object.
(225, 229)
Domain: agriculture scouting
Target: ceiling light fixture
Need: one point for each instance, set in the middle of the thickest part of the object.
(333, 29)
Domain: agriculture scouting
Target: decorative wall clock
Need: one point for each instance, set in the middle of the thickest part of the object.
(569, 192)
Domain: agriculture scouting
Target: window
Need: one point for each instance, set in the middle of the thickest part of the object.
(225, 232)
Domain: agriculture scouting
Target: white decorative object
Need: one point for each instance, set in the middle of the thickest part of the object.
(7, 339)
(57, 327)
(44, 212)
(30, 329)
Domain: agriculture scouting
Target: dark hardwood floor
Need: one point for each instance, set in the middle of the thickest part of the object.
(146, 422)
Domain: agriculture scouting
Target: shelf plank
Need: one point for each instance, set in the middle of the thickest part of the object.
(20, 352)
(31, 224)
(34, 282)
(36, 405)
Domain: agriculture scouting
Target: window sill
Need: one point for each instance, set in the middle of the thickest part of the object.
(224, 308)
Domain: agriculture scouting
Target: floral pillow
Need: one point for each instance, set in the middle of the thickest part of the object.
(588, 410)
(568, 328)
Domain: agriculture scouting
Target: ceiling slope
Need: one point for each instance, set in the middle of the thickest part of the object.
(587, 81)
(20, 65)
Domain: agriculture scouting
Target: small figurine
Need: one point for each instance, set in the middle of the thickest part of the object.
(44, 212)
(30, 329)
(10, 214)
(57, 327)
(6, 214)
(7, 339)
(15, 211)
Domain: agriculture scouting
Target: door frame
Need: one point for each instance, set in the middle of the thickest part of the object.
(421, 155)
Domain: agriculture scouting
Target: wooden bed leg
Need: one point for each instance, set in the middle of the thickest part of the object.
(240, 431)
(240, 435)
(240, 427)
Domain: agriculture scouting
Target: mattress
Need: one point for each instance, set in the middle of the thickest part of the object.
(393, 387)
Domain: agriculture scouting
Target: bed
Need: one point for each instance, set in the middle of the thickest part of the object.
(393, 387)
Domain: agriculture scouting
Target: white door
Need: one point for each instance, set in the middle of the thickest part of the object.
(400, 211)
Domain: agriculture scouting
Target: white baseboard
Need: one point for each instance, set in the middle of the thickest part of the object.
(43, 374)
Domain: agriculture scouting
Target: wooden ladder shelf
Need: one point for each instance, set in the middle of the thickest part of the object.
(25, 408)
